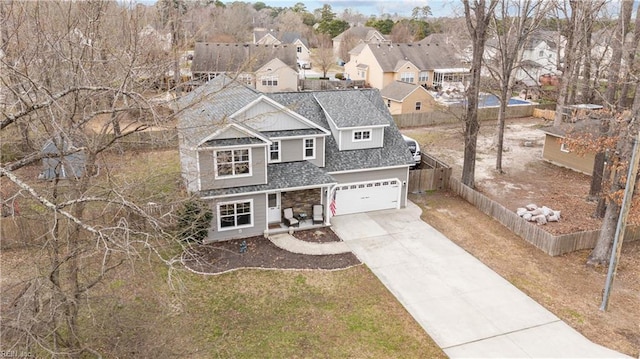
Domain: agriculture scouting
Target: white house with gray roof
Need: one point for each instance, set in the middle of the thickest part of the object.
(251, 154)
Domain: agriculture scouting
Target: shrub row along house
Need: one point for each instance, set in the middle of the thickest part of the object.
(251, 154)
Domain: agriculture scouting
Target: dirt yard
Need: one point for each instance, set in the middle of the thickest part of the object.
(527, 178)
(563, 284)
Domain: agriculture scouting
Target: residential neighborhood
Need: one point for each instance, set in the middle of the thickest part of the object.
(322, 180)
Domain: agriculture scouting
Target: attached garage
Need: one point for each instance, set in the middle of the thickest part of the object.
(367, 196)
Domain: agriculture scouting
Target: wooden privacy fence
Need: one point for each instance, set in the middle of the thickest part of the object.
(318, 85)
(532, 233)
(455, 114)
(433, 174)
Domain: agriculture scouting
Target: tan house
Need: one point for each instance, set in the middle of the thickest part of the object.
(557, 152)
(402, 98)
(357, 35)
(276, 76)
(432, 65)
(269, 68)
(263, 36)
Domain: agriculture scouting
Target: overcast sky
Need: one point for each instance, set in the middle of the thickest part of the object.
(439, 8)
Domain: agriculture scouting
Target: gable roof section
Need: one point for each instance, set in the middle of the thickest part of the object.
(209, 106)
(398, 90)
(249, 137)
(237, 58)
(424, 57)
(275, 65)
(364, 33)
(279, 108)
(348, 109)
(586, 126)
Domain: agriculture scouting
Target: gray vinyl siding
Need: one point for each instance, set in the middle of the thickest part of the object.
(207, 171)
(259, 224)
(266, 117)
(371, 175)
(377, 136)
(292, 150)
(189, 169)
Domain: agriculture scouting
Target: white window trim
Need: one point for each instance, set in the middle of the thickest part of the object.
(304, 148)
(408, 75)
(422, 78)
(269, 80)
(279, 151)
(353, 135)
(418, 106)
(215, 164)
(564, 148)
(220, 229)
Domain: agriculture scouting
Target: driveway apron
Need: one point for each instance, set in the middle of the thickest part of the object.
(468, 309)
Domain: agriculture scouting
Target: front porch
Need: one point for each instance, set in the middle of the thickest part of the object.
(300, 203)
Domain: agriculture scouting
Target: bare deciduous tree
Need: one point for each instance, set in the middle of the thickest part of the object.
(74, 74)
(512, 24)
(478, 13)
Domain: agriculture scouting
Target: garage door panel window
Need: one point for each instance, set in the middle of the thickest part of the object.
(367, 196)
(235, 215)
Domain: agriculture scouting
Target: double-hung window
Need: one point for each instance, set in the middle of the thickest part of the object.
(407, 77)
(233, 215)
(232, 162)
(299, 49)
(423, 77)
(418, 105)
(309, 148)
(361, 135)
(269, 80)
(274, 151)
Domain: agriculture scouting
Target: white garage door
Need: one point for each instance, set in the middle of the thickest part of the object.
(367, 196)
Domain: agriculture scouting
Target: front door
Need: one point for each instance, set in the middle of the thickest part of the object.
(273, 207)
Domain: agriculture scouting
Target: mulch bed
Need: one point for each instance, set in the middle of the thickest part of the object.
(261, 253)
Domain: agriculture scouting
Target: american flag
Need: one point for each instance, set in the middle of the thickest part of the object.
(332, 205)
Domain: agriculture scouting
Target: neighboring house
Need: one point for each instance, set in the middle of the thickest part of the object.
(270, 37)
(540, 56)
(269, 68)
(356, 35)
(250, 154)
(435, 65)
(62, 160)
(558, 153)
(402, 98)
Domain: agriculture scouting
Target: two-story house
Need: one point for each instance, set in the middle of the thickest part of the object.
(250, 154)
(351, 37)
(540, 56)
(263, 36)
(430, 65)
(267, 68)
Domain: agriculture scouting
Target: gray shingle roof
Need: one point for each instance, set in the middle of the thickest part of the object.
(425, 57)
(394, 153)
(398, 90)
(350, 109)
(281, 176)
(207, 108)
(199, 121)
(586, 126)
(233, 141)
(291, 133)
(238, 58)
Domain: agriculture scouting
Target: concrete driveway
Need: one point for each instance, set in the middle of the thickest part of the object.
(468, 309)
